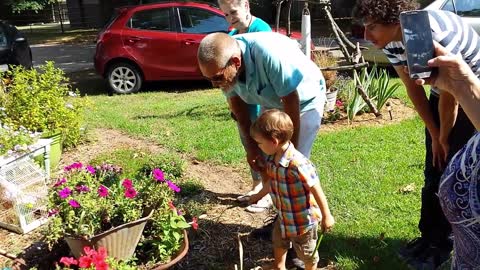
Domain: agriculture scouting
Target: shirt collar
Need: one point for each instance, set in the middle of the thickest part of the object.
(287, 156)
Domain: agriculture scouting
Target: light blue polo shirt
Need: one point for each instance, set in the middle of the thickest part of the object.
(275, 67)
(257, 25)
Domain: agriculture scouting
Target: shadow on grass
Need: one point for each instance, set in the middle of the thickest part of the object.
(215, 112)
(88, 82)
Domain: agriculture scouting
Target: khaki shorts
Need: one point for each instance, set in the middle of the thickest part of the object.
(304, 244)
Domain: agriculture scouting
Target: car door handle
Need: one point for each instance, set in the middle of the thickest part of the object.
(190, 42)
(133, 39)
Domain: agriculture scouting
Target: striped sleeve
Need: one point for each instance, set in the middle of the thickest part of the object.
(395, 52)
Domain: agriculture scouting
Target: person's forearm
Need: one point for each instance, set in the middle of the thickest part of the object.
(469, 100)
(448, 109)
(420, 102)
(240, 109)
(291, 106)
(321, 199)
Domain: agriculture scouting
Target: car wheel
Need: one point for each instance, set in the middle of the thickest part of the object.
(124, 78)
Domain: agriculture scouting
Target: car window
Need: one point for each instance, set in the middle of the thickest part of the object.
(468, 8)
(199, 21)
(153, 19)
(448, 6)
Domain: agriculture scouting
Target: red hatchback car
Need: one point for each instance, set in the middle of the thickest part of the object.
(155, 42)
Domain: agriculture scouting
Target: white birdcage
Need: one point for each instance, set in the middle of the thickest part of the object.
(23, 195)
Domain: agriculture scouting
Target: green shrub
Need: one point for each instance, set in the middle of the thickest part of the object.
(43, 101)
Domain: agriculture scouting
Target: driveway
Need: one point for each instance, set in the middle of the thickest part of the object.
(70, 58)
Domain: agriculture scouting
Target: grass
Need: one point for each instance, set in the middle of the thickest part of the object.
(362, 170)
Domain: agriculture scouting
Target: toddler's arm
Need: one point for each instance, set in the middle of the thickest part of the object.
(327, 218)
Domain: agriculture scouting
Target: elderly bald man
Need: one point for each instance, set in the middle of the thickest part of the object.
(268, 69)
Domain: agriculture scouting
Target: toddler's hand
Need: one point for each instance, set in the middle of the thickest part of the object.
(327, 223)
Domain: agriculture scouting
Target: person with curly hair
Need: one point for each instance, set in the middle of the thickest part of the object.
(447, 127)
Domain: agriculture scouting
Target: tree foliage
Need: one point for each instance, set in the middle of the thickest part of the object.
(21, 5)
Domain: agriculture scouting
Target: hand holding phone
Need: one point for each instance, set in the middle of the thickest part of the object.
(418, 41)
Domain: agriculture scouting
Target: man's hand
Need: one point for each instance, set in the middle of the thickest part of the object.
(327, 223)
(439, 156)
(254, 157)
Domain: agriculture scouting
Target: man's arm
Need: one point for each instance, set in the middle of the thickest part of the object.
(448, 110)
(420, 102)
(291, 106)
(240, 109)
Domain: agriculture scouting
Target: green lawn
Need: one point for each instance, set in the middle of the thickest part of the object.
(362, 170)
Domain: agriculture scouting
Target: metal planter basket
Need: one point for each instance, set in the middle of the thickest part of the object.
(180, 254)
(120, 241)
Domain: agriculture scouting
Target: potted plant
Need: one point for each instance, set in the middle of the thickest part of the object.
(324, 59)
(96, 206)
(43, 101)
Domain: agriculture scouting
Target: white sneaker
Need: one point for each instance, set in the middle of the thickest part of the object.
(263, 204)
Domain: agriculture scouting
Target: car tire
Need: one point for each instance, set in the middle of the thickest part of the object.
(124, 78)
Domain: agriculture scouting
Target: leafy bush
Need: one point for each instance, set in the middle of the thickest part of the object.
(42, 101)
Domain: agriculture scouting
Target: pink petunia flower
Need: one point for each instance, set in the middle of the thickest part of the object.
(101, 265)
(102, 191)
(127, 183)
(74, 203)
(85, 262)
(172, 186)
(130, 193)
(158, 174)
(90, 169)
(82, 188)
(194, 223)
(64, 193)
(60, 182)
(67, 261)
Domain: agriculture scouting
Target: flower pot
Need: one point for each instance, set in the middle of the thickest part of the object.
(55, 148)
(331, 100)
(120, 241)
(180, 254)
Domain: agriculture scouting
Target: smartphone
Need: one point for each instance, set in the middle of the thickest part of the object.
(418, 41)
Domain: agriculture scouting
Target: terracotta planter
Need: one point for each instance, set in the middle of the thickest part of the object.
(120, 241)
(180, 254)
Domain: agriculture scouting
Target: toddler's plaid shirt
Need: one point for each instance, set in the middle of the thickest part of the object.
(290, 184)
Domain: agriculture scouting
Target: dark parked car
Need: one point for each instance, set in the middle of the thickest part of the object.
(14, 48)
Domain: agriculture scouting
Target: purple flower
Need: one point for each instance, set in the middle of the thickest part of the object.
(102, 191)
(172, 186)
(52, 212)
(158, 174)
(74, 204)
(64, 193)
(90, 169)
(60, 182)
(130, 193)
(82, 188)
(76, 165)
(127, 183)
